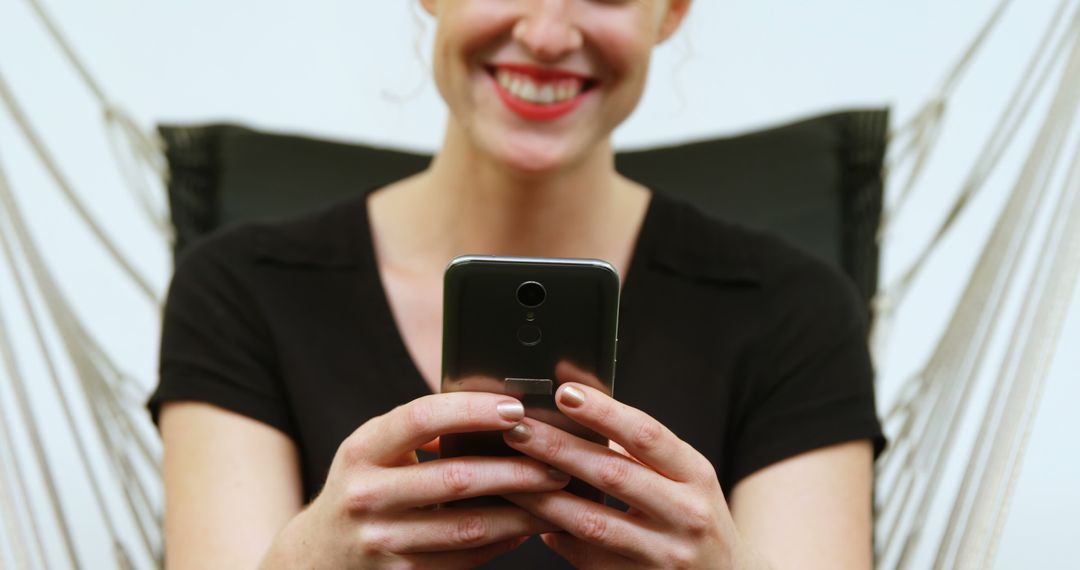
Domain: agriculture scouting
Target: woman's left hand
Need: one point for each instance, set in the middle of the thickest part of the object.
(678, 515)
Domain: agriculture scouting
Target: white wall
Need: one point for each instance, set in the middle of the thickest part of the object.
(348, 70)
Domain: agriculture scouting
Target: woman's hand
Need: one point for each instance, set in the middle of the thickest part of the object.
(678, 516)
(376, 509)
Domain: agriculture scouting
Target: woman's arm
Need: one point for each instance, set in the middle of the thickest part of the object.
(231, 483)
(813, 510)
(233, 491)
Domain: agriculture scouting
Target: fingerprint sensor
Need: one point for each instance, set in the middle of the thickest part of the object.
(529, 335)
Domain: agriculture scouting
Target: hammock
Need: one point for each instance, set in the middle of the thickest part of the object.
(928, 420)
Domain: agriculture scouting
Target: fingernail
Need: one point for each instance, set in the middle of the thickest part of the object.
(511, 411)
(557, 475)
(520, 433)
(571, 397)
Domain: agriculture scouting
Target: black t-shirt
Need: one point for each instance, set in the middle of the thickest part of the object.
(747, 348)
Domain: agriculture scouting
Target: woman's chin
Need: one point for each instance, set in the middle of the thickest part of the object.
(535, 161)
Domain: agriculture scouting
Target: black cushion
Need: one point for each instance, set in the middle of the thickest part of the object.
(816, 182)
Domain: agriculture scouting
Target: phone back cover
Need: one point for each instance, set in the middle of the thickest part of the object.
(483, 348)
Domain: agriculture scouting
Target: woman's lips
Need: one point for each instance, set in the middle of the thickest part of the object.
(539, 94)
(539, 73)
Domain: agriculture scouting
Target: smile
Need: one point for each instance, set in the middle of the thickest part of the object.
(539, 94)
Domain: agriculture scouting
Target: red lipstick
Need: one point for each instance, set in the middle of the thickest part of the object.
(540, 112)
(540, 73)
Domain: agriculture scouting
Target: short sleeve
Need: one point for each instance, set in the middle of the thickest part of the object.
(814, 384)
(215, 345)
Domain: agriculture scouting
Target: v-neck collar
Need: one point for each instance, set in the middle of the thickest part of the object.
(675, 240)
(408, 378)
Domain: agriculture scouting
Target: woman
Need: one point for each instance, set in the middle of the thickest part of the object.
(300, 360)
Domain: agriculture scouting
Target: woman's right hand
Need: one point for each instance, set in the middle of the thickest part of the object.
(375, 510)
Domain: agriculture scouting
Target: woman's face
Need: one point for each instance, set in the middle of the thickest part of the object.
(539, 84)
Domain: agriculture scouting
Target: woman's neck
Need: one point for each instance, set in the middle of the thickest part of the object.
(466, 202)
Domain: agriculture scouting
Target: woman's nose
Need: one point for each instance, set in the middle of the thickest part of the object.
(547, 31)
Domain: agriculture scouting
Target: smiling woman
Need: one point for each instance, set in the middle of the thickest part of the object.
(300, 359)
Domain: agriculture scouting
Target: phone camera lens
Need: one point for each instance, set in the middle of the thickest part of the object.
(531, 294)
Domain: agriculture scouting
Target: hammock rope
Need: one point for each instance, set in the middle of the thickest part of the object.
(15, 510)
(924, 129)
(1032, 84)
(946, 385)
(53, 374)
(1013, 116)
(990, 476)
(22, 401)
(95, 389)
(66, 189)
(130, 145)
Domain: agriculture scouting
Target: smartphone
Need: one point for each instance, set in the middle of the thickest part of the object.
(507, 322)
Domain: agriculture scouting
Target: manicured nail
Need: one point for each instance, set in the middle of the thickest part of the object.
(557, 475)
(520, 433)
(571, 397)
(511, 411)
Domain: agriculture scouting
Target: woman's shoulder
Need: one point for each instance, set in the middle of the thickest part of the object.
(324, 237)
(688, 241)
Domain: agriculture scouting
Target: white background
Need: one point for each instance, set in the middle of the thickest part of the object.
(349, 70)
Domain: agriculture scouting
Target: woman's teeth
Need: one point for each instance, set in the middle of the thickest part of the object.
(546, 93)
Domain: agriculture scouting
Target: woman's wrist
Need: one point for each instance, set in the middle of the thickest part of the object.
(290, 546)
(748, 558)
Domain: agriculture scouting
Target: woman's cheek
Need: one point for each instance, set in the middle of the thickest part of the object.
(481, 25)
(624, 47)
(468, 34)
